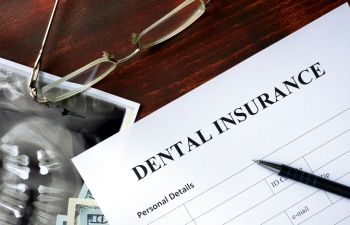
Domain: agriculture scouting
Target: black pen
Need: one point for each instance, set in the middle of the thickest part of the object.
(307, 178)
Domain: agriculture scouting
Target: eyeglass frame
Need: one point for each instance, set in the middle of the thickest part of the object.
(33, 89)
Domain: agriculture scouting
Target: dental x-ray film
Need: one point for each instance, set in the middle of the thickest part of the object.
(37, 142)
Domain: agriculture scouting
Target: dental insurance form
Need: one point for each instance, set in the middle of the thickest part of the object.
(190, 162)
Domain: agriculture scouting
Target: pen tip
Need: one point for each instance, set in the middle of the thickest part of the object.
(256, 161)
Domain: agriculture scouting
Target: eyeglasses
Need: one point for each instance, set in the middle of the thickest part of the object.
(78, 81)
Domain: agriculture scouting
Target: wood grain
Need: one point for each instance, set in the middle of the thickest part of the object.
(229, 32)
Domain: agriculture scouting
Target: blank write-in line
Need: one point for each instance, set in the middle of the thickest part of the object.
(342, 220)
(316, 191)
(342, 133)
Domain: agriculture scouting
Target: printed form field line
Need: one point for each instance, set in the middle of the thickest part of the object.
(342, 220)
(245, 168)
(303, 157)
(190, 215)
(288, 207)
(295, 182)
(324, 208)
(315, 192)
(331, 202)
(284, 211)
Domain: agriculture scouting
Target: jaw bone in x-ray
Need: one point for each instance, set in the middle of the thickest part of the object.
(37, 173)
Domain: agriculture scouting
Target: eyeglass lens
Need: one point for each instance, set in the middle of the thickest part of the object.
(60, 90)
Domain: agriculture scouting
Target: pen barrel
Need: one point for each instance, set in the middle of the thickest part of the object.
(315, 181)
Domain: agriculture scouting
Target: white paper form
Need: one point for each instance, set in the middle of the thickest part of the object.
(191, 161)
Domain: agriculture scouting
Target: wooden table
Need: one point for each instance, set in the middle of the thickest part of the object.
(229, 32)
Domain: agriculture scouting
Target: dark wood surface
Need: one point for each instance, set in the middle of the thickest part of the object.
(229, 32)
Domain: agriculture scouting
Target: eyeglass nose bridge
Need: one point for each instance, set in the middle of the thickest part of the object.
(131, 55)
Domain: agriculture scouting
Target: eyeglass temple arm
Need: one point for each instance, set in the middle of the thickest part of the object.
(36, 67)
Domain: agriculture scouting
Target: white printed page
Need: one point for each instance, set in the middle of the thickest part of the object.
(190, 162)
